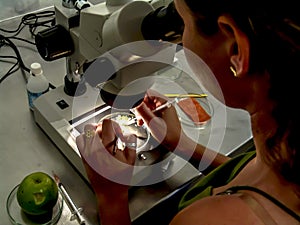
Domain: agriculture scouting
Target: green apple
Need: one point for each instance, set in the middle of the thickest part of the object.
(37, 193)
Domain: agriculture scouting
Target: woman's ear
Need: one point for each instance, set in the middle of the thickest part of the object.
(239, 49)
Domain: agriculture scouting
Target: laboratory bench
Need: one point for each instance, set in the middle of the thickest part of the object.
(26, 148)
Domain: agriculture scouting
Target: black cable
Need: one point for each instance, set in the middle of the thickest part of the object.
(12, 69)
(12, 31)
(33, 21)
(9, 72)
(22, 39)
(19, 31)
(13, 46)
(5, 41)
(8, 42)
(8, 57)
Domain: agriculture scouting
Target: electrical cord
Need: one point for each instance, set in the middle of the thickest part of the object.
(19, 63)
(13, 69)
(9, 43)
(6, 42)
(22, 39)
(33, 21)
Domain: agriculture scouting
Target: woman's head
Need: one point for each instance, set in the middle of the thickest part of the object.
(260, 40)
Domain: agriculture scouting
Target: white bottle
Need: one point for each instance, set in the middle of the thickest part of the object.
(37, 83)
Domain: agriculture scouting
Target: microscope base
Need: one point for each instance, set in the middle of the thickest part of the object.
(57, 115)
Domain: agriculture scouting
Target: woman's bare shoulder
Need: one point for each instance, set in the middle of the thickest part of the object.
(216, 210)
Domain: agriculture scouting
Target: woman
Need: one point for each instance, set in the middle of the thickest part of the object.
(253, 49)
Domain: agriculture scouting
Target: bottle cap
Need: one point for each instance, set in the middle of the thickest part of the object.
(36, 68)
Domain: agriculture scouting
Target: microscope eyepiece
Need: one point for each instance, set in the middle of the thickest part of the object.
(164, 24)
(54, 43)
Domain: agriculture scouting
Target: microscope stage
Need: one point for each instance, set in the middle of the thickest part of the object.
(59, 116)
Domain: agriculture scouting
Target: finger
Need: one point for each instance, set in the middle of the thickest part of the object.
(155, 97)
(111, 132)
(88, 126)
(108, 133)
(90, 130)
(85, 141)
(130, 155)
(80, 142)
(99, 130)
(89, 134)
(157, 125)
(144, 111)
(130, 141)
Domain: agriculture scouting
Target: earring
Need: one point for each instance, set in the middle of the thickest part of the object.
(233, 71)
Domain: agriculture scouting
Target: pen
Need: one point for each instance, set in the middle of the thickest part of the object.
(76, 212)
(191, 95)
(169, 103)
(161, 107)
(164, 106)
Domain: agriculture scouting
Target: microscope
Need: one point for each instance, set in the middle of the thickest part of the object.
(121, 32)
(112, 51)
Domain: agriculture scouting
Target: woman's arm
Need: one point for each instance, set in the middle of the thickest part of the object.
(196, 153)
(166, 128)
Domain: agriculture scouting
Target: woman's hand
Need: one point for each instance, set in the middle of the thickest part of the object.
(104, 162)
(108, 168)
(164, 124)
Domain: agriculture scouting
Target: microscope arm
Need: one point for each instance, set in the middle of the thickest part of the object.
(98, 29)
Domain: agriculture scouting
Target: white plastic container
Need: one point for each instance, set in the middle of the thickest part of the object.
(37, 83)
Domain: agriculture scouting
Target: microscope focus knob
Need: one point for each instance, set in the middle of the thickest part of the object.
(77, 4)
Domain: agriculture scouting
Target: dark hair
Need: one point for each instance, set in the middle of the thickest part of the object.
(273, 28)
